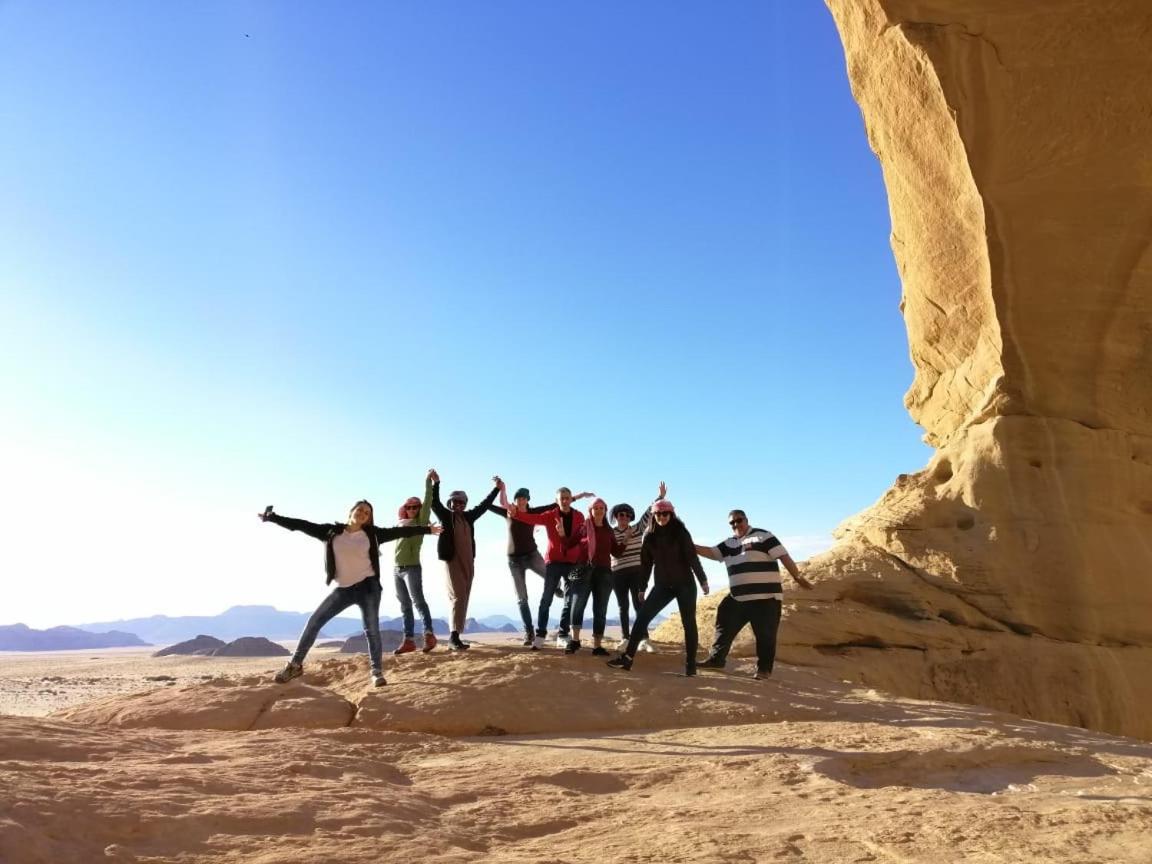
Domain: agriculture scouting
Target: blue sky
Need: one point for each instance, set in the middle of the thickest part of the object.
(257, 253)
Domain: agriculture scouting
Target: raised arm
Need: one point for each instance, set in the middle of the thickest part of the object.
(387, 535)
(442, 512)
(482, 508)
(426, 504)
(646, 516)
(312, 529)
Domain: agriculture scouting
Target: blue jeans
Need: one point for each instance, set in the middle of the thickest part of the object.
(659, 597)
(555, 572)
(364, 594)
(597, 585)
(518, 566)
(411, 593)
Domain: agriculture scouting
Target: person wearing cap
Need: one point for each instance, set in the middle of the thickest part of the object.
(523, 554)
(752, 557)
(597, 542)
(669, 554)
(409, 574)
(626, 566)
(558, 559)
(457, 549)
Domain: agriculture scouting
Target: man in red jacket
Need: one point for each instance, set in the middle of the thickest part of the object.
(558, 560)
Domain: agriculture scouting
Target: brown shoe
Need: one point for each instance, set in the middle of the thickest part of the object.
(429, 641)
(406, 647)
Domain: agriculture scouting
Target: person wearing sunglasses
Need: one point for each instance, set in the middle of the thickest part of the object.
(409, 574)
(626, 566)
(457, 549)
(753, 557)
(667, 553)
(597, 543)
(352, 561)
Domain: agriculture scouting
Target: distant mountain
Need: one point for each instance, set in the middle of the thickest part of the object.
(19, 637)
(231, 624)
(497, 622)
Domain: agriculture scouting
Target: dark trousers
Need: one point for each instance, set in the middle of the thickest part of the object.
(596, 584)
(626, 584)
(733, 614)
(366, 595)
(659, 597)
(555, 573)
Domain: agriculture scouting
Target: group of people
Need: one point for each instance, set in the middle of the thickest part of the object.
(589, 557)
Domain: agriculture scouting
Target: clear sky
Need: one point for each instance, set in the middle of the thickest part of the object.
(297, 254)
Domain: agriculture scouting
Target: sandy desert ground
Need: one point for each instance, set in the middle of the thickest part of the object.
(503, 755)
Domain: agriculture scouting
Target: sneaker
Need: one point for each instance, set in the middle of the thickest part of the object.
(762, 676)
(378, 681)
(561, 640)
(407, 646)
(646, 647)
(429, 641)
(292, 670)
(711, 663)
(622, 662)
(529, 639)
(600, 651)
(572, 647)
(458, 644)
(537, 643)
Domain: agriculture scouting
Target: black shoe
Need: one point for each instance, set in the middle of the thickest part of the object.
(457, 644)
(600, 651)
(622, 662)
(529, 639)
(711, 663)
(292, 670)
(690, 671)
(572, 647)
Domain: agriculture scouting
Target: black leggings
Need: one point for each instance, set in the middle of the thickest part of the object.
(625, 584)
(659, 597)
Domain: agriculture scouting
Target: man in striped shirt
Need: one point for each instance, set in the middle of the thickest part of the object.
(753, 557)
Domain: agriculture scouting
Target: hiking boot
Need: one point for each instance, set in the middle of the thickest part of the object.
(378, 680)
(292, 670)
(600, 651)
(572, 647)
(429, 641)
(622, 662)
(711, 663)
(406, 647)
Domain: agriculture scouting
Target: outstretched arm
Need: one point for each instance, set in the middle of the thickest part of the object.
(482, 508)
(387, 535)
(708, 552)
(312, 529)
(438, 507)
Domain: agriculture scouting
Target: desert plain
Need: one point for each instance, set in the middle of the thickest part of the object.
(500, 754)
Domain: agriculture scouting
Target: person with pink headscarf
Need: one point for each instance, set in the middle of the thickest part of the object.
(593, 578)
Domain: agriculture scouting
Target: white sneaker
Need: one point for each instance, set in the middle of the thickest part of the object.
(537, 643)
(561, 642)
(646, 647)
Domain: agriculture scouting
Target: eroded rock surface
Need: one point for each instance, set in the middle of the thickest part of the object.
(1016, 569)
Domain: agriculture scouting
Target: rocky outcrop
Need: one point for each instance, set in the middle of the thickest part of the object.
(200, 645)
(21, 637)
(1015, 570)
(251, 646)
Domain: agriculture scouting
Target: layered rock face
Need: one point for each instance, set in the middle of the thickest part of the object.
(1016, 569)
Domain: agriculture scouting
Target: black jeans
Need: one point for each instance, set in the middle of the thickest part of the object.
(733, 614)
(659, 597)
(554, 573)
(626, 584)
(366, 595)
(596, 584)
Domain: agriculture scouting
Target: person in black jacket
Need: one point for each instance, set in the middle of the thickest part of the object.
(457, 549)
(668, 550)
(352, 561)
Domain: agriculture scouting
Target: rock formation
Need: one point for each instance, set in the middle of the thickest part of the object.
(251, 646)
(1016, 569)
(200, 645)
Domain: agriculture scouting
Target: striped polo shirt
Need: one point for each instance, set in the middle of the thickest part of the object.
(753, 568)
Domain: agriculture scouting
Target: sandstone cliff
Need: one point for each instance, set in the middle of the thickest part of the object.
(1016, 569)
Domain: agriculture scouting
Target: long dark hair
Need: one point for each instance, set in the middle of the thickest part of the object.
(371, 510)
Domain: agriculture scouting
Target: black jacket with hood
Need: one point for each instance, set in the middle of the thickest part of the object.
(446, 545)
